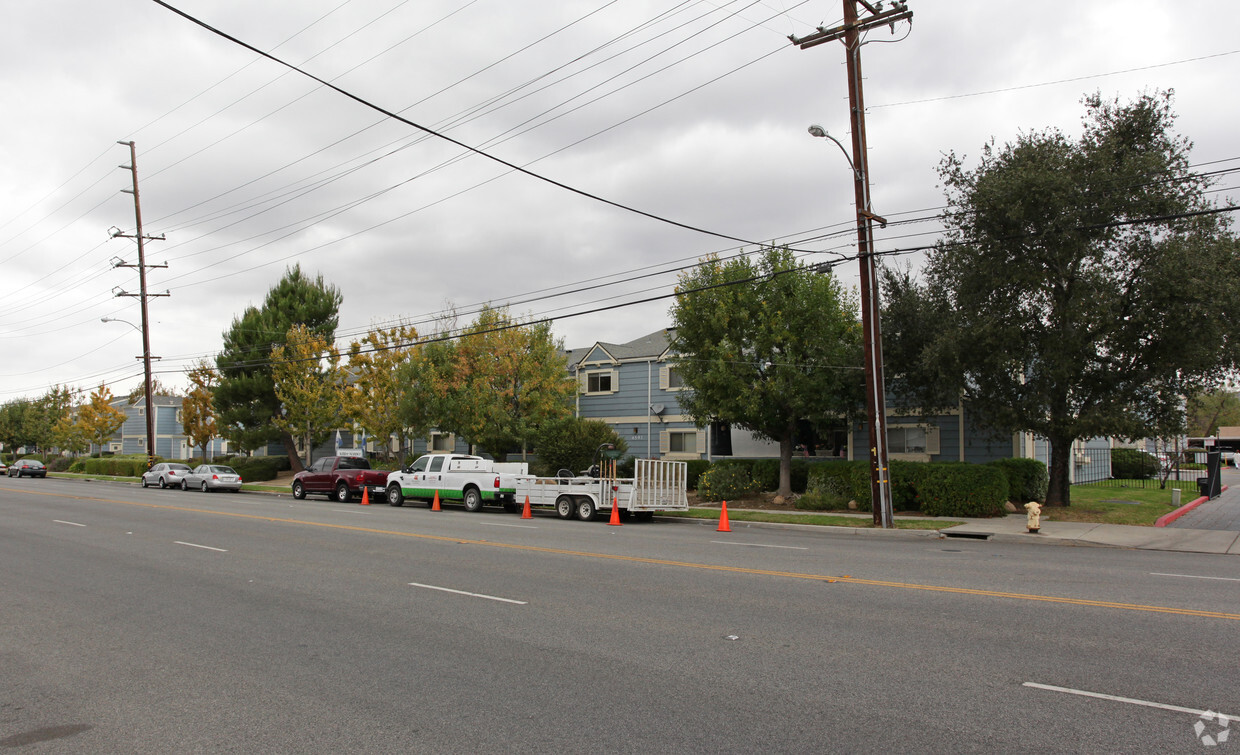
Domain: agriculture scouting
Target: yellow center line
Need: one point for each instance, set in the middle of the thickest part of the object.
(667, 562)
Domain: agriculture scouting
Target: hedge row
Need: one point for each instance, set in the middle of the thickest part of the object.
(115, 466)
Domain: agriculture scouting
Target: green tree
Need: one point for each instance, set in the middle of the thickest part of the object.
(69, 435)
(306, 370)
(13, 424)
(98, 419)
(245, 400)
(373, 390)
(572, 443)
(506, 379)
(1084, 286)
(197, 409)
(1208, 411)
(41, 417)
(763, 343)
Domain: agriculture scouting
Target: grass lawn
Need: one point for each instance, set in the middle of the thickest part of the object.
(817, 519)
(1119, 505)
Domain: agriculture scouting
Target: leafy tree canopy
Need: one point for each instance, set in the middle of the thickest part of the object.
(245, 400)
(1083, 288)
(764, 342)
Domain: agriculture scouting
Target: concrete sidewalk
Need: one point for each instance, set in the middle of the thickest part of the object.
(1208, 527)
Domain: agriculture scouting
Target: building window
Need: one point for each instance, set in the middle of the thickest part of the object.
(441, 442)
(601, 382)
(906, 440)
(682, 443)
(674, 381)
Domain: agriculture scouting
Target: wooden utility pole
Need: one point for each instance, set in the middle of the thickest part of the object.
(875, 386)
(142, 296)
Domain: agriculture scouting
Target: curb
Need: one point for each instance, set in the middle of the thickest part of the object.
(1166, 519)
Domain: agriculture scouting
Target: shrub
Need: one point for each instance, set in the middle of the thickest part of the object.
(851, 479)
(1027, 479)
(1132, 464)
(258, 468)
(113, 466)
(765, 473)
(696, 468)
(59, 464)
(724, 481)
(960, 489)
(825, 493)
(572, 443)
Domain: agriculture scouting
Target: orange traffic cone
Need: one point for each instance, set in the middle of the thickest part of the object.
(435, 505)
(525, 513)
(723, 519)
(615, 513)
(365, 496)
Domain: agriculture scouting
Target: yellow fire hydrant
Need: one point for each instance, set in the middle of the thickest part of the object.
(1033, 517)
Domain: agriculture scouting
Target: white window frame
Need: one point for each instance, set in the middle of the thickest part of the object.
(613, 378)
(451, 441)
(932, 447)
(665, 443)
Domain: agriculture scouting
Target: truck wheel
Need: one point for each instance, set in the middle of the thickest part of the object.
(395, 496)
(565, 506)
(342, 493)
(299, 491)
(473, 500)
(585, 509)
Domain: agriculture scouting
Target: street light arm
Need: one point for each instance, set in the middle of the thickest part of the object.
(819, 131)
(113, 319)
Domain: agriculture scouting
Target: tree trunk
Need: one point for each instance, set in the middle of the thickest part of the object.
(785, 463)
(1058, 491)
(290, 448)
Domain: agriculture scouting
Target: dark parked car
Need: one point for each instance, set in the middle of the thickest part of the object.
(27, 468)
(166, 475)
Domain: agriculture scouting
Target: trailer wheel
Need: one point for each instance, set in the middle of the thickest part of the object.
(395, 496)
(585, 509)
(565, 506)
(473, 500)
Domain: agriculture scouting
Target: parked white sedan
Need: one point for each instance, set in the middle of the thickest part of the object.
(165, 475)
(209, 478)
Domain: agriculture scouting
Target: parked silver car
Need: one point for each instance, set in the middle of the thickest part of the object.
(166, 474)
(209, 478)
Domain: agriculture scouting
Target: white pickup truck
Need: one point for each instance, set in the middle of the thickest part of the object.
(472, 480)
(656, 485)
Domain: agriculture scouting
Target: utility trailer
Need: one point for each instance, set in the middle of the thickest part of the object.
(656, 485)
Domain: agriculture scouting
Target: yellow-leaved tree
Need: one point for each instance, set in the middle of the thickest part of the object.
(372, 390)
(197, 411)
(98, 418)
(308, 384)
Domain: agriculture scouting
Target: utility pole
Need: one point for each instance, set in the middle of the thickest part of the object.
(132, 167)
(875, 386)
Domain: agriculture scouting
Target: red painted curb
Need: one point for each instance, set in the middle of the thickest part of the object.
(1166, 519)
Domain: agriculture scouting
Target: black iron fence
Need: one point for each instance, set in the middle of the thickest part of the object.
(1132, 468)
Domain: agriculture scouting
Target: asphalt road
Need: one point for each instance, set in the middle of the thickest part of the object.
(147, 621)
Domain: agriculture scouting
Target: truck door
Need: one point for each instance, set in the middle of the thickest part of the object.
(319, 479)
(434, 473)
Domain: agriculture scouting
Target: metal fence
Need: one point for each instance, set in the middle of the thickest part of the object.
(1093, 466)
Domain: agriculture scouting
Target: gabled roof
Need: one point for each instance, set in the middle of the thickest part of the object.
(650, 347)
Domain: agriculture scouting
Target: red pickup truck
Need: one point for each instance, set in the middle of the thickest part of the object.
(341, 478)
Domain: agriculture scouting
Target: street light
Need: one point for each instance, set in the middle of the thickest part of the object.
(150, 403)
(116, 319)
(875, 387)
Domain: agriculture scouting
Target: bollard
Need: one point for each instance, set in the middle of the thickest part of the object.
(1175, 498)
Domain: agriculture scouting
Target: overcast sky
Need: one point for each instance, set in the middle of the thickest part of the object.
(695, 112)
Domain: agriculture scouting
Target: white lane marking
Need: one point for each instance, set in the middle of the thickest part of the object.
(1193, 576)
(204, 547)
(518, 526)
(469, 594)
(347, 511)
(1115, 698)
(62, 521)
(759, 545)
